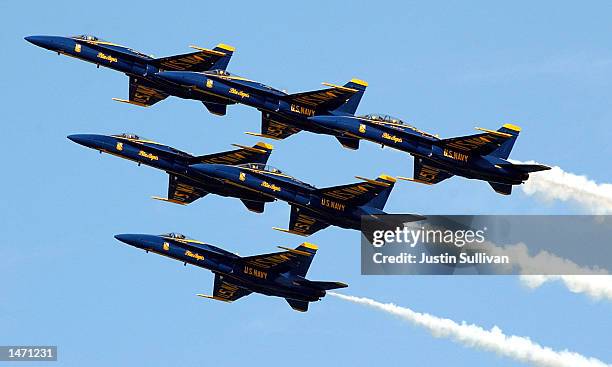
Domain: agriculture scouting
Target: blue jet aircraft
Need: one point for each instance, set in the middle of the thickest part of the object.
(282, 114)
(312, 209)
(145, 88)
(279, 274)
(186, 182)
(481, 156)
(243, 174)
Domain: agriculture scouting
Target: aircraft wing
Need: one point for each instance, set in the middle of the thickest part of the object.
(275, 127)
(225, 290)
(428, 174)
(304, 222)
(182, 190)
(143, 93)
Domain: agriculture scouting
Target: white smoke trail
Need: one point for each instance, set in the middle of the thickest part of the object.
(519, 348)
(593, 281)
(596, 286)
(556, 184)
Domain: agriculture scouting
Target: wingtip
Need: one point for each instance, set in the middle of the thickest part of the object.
(414, 180)
(212, 297)
(167, 200)
(261, 135)
(289, 231)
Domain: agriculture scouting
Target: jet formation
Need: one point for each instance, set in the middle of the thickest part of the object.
(243, 172)
(202, 76)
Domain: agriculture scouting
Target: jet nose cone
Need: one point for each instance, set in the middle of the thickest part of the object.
(130, 239)
(87, 140)
(179, 77)
(77, 138)
(41, 41)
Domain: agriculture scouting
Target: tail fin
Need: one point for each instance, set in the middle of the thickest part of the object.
(296, 260)
(222, 62)
(202, 60)
(350, 106)
(305, 254)
(258, 153)
(380, 200)
(373, 193)
(338, 99)
(505, 148)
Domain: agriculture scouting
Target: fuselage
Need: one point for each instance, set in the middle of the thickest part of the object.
(420, 144)
(278, 185)
(224, 263)
(162, 157)
(112, 56)
(223, 85)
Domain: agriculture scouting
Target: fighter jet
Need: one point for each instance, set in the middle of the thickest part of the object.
(279, 274)
(312, 209)
(482, 156)
(186, 182)
(243, 174)
(282, 114)
(145, 88)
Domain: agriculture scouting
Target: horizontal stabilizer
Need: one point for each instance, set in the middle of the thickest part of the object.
(301, 306)
(503, 189)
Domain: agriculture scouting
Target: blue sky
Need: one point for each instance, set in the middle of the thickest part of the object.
(445, 67)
